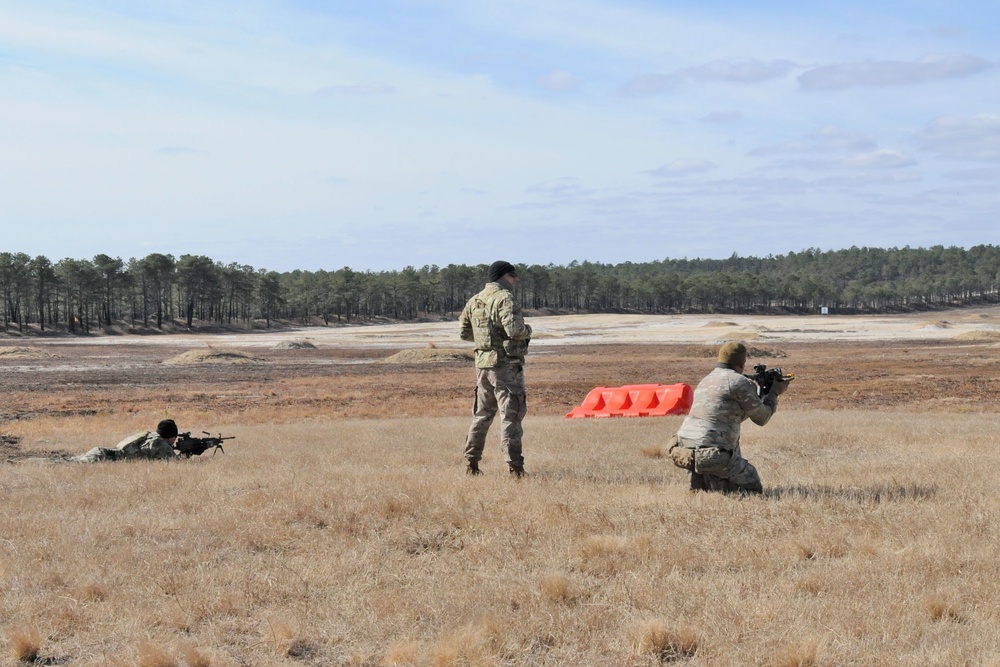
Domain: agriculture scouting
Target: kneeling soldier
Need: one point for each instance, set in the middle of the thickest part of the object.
(708, 441)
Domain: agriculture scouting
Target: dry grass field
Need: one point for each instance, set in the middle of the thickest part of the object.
(339, 529)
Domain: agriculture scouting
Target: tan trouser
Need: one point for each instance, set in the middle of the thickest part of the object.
(716, 469)
(498, 389)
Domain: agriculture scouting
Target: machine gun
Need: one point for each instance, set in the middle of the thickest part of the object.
(193, 446)
(765, 378)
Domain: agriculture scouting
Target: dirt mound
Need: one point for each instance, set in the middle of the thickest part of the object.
(429, 355)
(740, 335)
(936, 324)
(979, 336)
(754, 352)
(719, 323)
(213, 357)
(294, 345)
(25, 353)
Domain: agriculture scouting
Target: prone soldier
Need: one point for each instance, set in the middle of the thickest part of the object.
(158, 444)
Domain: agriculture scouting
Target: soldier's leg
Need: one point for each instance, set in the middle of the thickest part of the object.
(698, 482)
(98, 454)
(727, 471)
(511, 398)
(483, 411)
(719, 485)
(742, 475)
(746, 479)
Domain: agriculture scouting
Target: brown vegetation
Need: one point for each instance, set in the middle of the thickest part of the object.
(339, 528)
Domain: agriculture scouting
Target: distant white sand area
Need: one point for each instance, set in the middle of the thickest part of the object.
(974, 324)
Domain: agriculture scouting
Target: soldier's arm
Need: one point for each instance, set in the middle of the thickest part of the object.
(512, 321)
(465, 324)
(759, 411)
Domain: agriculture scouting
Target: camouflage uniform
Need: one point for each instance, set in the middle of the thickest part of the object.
(708, 441)
(141, 445)
(493, 320)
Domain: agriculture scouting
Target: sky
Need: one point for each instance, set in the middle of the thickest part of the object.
(311, 134)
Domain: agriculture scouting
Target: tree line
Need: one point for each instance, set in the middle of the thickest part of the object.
(79, 295)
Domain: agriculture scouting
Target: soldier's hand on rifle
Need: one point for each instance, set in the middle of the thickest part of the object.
(779, 387)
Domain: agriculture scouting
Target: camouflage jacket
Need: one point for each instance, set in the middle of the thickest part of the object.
(150, 447)
(141, 445)
(722, 401)
(493, 320)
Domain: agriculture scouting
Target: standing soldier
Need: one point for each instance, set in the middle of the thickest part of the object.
(493, 320)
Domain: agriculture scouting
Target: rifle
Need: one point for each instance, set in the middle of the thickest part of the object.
(193, 446)
(765, 378)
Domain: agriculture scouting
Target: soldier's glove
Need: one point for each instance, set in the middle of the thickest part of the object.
(779, 387)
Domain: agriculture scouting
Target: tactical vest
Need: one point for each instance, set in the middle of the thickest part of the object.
(493, 347)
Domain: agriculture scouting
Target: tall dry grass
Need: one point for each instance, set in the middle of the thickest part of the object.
(363, 543)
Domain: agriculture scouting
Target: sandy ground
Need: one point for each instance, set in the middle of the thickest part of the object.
(967, 324)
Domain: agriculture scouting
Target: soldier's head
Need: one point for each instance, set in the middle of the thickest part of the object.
(166, 429)
(501, 271)
(734, 355)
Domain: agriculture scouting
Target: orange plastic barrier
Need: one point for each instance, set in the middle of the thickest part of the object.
(636, 400)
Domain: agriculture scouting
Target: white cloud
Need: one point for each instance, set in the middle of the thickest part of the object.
(718, 71)
(648, 84)
(177, 150)
(892, 73)
(869, 180)
(824, 139)
(357, 90)
(684, 167)
(872, 160)
(985, 174)
(940, 32)
(561, 188)
(880, 159)
(719, 117)
(737, 71)
(976, 138)
(560, 81)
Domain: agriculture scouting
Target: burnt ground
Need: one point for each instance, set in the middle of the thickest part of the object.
(125, 380)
